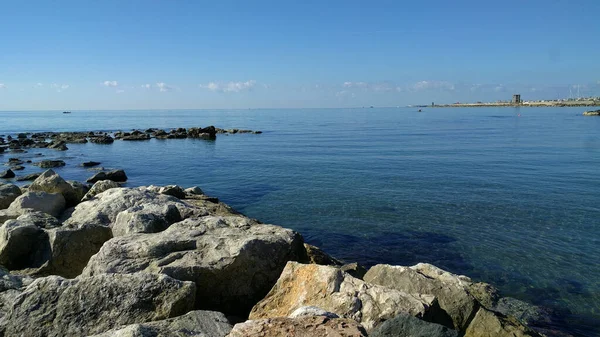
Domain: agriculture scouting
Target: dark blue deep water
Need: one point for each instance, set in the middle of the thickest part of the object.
(507, 199)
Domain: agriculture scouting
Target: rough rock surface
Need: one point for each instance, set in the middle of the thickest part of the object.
(50, 203)
(486, 323)
(173, 190)
(50, 163)
(7, 174)
(315, 326)
(99, 187)
(145, 218)
(592, 113)
(116, 175)
(27, 177)
(407, 326)
(312, 311)
(193, 324)
(317, 256)
(50, 182)
(104, 207)
(451, 290)
(19, 240)
(54, 306)
(335, 291)
(8, 194)
(233, 260)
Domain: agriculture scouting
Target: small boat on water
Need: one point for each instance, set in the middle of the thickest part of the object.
(66, 112)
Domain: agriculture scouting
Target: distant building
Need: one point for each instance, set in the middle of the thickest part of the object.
(516, 99)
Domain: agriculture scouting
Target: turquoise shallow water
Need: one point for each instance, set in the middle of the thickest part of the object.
(507, 199)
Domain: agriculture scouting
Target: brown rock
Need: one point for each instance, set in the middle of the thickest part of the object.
(491, 324)
(315, 326)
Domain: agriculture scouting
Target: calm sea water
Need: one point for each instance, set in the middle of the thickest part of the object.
(508, 199)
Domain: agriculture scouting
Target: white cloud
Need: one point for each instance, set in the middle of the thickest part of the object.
(146, 86)
(163, 87)
(230, 87)
(37, 85)
(110, 83)
(428, 85)
(355, 85)
(377, 86)
(59, 87)
(120, 91)
(2, 86)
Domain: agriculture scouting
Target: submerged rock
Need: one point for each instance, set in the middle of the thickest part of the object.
(197, 323)
(315, 326)
(102, 139)
(90, 163)
(54, 306)
(335, 291)
(235, 260)
(31, 176)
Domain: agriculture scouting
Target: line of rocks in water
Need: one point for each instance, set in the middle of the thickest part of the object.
(104, 260)
(59, 140)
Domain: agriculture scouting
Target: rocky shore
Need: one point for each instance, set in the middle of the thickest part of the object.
(104, 260)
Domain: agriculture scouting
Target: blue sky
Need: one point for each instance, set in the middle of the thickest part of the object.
(251, 54)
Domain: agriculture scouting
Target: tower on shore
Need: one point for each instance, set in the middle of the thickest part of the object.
(516, 99)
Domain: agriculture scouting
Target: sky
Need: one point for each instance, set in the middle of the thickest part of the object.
(105, 55)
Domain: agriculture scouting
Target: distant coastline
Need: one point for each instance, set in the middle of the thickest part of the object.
(523, 104)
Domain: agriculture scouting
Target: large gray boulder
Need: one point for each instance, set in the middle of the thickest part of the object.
(54, 306)
(8, 194)
(145, 218)
(452, 291)
(197, 323)
(50, 203)
(330, 289)
(99, 187)
(104, 207)
(50, 182)
(405, 325)
(233, 261)
(36, 242)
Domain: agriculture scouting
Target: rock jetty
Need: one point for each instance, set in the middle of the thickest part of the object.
(104, 260)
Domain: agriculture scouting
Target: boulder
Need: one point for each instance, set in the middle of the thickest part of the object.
(329, 288)
(39, 219)
(197, 323)
(451, 290)
(8, 193)
(355, 269)
(7, 174)
(102, 139)
(18, 168)
(58, 145)
(54, 306)
(116, 175)
(79, 190)
(140, 136)
(50, 163)
(407, 326)
(317, 256)
(99, 187)
(90, 163)
(592, 113)
(525, 312)
(487, 323)
(104, 207)
(50, 182)
(173, 190)
(194, 190)
(315, 326)
(19, 242)
(145, 218)
(50, 203)
(28, 177)
(234, 260)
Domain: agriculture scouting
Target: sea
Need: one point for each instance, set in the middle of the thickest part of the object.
(508, 196)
